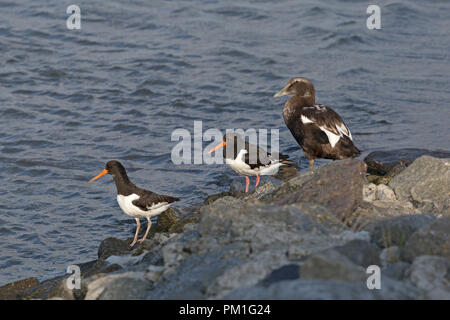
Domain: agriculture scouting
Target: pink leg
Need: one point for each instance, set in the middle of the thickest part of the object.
(247, 182)
(146, 231)
(257, 181)
(137, 232)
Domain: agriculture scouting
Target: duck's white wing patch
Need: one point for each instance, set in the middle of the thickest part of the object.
(306, 120)
(332, 138)
(342, 128)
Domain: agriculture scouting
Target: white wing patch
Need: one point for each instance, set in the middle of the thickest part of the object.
(343, 130)
(306, 120)
(332, 138)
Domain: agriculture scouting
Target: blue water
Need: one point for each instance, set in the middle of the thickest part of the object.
(70, 100)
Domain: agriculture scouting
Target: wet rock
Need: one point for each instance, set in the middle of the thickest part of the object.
(433, 239)
(12, 291)
(154, 272)
(113, 246)
(332, 265)
(432, 274)
(396, 231)
(166, 220)
(337, 186)
(426, 183)
(381, 162)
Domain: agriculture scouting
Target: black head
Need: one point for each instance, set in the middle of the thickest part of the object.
(298, 86)
(114, 168)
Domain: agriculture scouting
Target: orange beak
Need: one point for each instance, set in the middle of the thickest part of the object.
(101, 174)
(220, 145)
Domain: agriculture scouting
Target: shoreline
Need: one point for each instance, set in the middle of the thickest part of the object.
(289, 241)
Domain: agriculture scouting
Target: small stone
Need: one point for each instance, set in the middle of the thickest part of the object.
(389, 255)
(369, 192)
(383, 192)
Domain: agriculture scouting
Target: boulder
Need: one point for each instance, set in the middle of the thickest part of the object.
(381, 162)
(432, 274)
(12, 291)
(426, 183)
(337, 186)
(396, 231)
(433, 239)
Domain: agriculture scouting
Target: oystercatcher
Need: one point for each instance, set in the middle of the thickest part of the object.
(318, 129)
(134, 201)
(248, 159)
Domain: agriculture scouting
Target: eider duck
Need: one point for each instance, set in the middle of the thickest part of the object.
(318, 129)
(248, 159)
(134, 201)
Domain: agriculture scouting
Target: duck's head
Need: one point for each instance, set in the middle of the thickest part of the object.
(297, 86)
(114, 168)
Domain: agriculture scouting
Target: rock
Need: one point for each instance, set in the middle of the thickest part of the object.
(332, 265)
(385, 193)
(433, 239)
(166, 220)
(389, 255)
(370, 192)
(381, 162)
(426, 182)
(154, 272)
(348, 235)
(286, 272)
(432, 274)
(128, 285)
(316, 289)
(360, 252)
(12, 291)
(337, 186)
(396, 231)
(398, 271)
(113, 246)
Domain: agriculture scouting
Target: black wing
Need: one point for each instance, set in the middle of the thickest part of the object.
(147, 199)
(263, 157)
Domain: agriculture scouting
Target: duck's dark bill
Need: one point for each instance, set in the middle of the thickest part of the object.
(101, 174)
(220, 145)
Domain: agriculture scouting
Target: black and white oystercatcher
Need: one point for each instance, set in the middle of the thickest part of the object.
(248, 159)
(134, 201)
(318, 129)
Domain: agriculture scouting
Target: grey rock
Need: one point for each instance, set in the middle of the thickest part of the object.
(432, 274)
(337, 186)
(326, 290)
(360, 252)
(113, 246)
(332, 265)
(389, 255)
(426, 183)
(396, 231)
(433, 239)
(128, 285)
(381, 162)
(398, 271)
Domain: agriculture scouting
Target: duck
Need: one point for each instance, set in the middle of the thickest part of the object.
(318, 129)
(248, 159)
(134, 201)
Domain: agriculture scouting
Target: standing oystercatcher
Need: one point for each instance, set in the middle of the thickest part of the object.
(134, 201)
(318, 129)
(248, 159)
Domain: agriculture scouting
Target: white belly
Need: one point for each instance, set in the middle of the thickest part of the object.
(127, 206)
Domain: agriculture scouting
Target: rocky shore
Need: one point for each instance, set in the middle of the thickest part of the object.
(310, 237)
